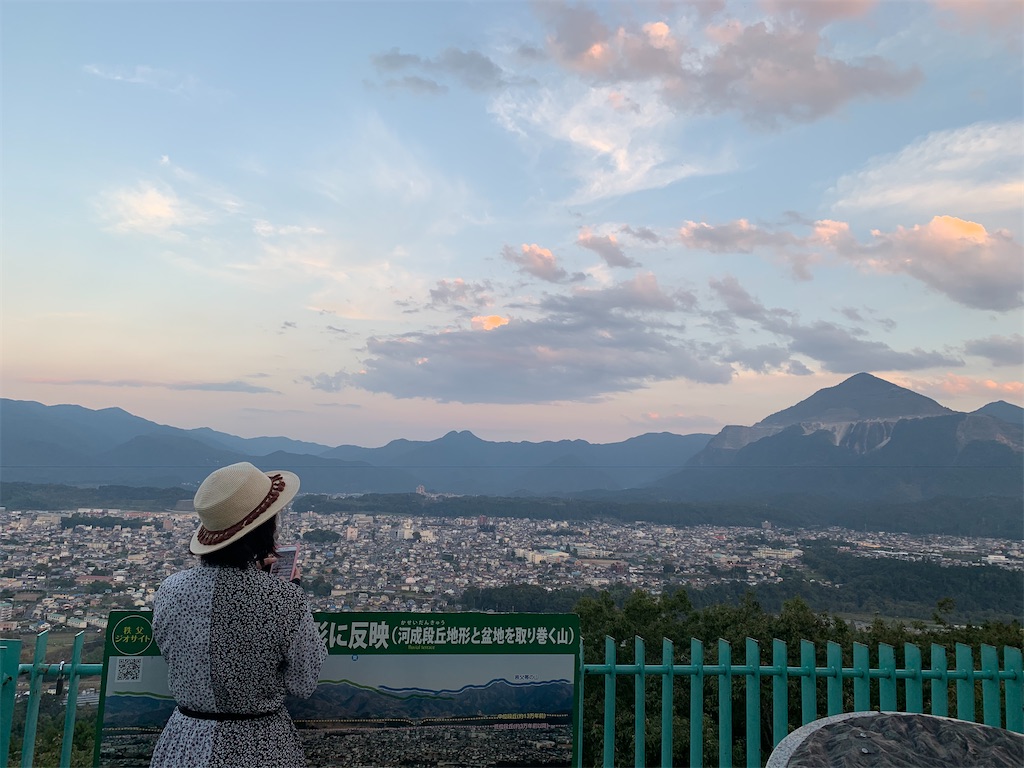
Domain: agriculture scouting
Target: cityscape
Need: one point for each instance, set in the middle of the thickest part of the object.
(54, 575)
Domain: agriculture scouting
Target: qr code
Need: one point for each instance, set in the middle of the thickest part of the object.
(129, 670)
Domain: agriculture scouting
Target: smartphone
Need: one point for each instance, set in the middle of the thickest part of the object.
(287, 564)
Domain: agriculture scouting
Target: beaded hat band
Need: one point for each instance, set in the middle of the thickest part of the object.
(236, 499)
(206, 536)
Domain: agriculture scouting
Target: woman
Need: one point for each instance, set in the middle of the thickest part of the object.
(236, 639)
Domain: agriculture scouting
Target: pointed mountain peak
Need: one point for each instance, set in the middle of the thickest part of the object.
(456, 436)
(1003, 411)
(861, 397)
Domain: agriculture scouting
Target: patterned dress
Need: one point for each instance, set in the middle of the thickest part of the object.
(235, 641)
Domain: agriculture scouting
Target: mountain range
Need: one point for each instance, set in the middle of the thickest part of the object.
(865, 438)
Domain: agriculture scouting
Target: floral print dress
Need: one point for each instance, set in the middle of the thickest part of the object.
(235, 641)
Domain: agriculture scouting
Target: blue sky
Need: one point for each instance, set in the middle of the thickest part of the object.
(353, 222)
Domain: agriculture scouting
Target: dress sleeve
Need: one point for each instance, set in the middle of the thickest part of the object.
(305, 656)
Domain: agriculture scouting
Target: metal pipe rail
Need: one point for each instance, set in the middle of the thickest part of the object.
(1002, 690)
(11, 669)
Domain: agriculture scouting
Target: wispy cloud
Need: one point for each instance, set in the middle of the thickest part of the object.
(468, 68)
(264, 228)
(149, 208)
(1000, 350)
(966, 171)
(240, 387)
(798, 252)
(624, 138)
(146, 76)
(999, 18)
(379, 168)
(677, 420)
(460, 293)
(839, 349)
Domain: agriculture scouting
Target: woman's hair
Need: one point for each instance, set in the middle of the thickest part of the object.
(256, 545)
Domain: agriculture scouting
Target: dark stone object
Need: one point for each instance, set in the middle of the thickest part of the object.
(897, 740)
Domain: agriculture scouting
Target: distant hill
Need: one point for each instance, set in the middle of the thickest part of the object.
(460, 462)
(1003, 411)
(78, 446)
(861, 397)
(865, 438)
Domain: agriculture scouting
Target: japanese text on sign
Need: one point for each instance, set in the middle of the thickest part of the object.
(381, 635)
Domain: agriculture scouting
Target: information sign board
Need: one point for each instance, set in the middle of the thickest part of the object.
(397, 688)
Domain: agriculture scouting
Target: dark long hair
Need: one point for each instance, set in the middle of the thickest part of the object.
(257, 544)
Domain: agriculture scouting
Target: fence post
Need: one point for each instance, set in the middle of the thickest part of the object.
(697, 704)
(834, 684)
(990, 705)
(965, 682)
(725, 704)
(940, 683)
(753, 694)
(71, 708)
(1013, 661)
(667, 708)
(808, 680)
(780, 692)
(10, 657)
(35, 688)
(862, 678)
(887, 682)
(608, 757)
(640, 703)
(914, 683)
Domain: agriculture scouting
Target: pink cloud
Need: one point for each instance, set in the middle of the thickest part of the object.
(831, 232)
(819, 12)
(605, 246)
(537, 261)
(781, 68)
(740, 236)
(961, 259)
(769, 71)
(952, 385)
(1003, 18)
(488, 322)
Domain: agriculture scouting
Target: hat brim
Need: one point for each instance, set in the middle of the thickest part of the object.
(291, 487)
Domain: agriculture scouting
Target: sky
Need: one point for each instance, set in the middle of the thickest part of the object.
(355, 222)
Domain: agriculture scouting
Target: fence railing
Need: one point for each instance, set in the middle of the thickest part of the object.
(856, 688)
(873, 688)
(37, 672)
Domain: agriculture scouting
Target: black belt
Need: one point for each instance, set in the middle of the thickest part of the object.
(225, 715)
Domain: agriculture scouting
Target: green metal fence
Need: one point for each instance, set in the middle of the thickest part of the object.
(36, 673)
(869, 688)
(766, 692)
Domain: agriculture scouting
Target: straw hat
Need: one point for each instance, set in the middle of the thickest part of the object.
(237, 499)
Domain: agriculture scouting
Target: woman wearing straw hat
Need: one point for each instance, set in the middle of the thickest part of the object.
(236, 639)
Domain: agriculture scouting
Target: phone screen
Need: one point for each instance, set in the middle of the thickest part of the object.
(286, 565)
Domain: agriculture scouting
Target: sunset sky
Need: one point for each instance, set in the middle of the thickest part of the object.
(355, 222)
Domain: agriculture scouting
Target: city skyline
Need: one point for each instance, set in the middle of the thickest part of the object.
(350, 223)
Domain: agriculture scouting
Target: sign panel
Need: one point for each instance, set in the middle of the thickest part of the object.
(397, 688)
